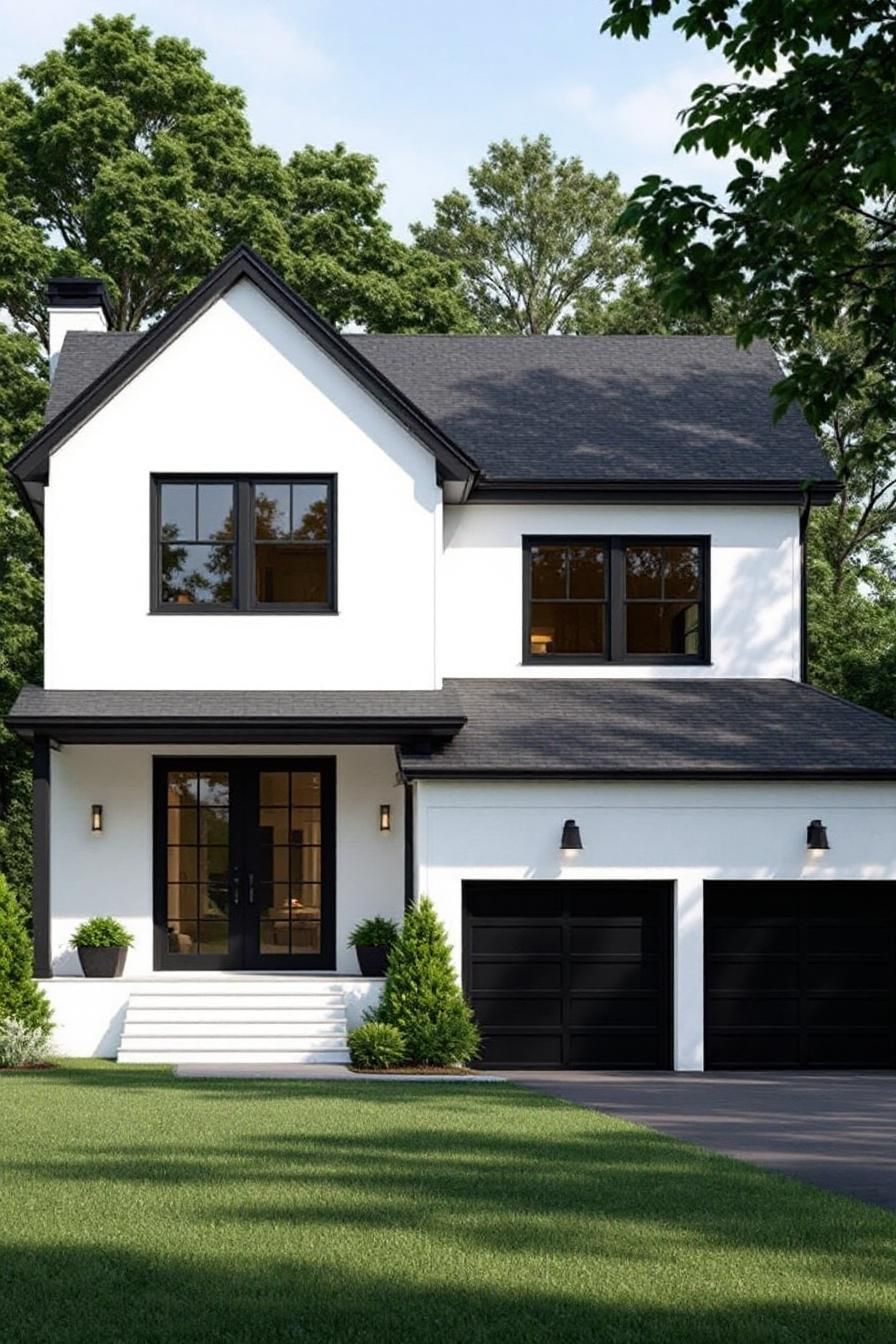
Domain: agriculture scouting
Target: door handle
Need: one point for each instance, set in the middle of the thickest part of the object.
(235, 885)
(251, 888)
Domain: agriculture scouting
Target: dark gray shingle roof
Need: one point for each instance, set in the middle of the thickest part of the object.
(573, 408)
(642, 728)
(84, 356)
(633, 408)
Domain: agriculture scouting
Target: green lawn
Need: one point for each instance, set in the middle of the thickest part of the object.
(137, 1207)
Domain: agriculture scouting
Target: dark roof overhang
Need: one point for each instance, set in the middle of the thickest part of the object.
(420, 721)
(489, 491)
(30, 466)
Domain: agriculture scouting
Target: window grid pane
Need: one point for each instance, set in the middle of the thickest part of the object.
(656, 624)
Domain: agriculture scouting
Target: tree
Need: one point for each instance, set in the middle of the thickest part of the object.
(637, 310)
(121, 156)
(852, 564)
(421, 996)
(22, 396)
(537, 236)
(807, 238)
(20, 997)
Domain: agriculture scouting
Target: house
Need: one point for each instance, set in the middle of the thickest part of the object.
(332, 620)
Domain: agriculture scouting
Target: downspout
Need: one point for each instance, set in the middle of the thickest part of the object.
(804, 588)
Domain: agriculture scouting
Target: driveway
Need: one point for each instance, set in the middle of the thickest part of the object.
(835, 1130)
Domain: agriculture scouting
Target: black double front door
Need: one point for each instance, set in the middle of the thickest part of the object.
(245, 863)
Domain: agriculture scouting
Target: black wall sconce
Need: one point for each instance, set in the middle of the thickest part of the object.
(385, 817)
(96, 817)
(816, 836)
(571, 839)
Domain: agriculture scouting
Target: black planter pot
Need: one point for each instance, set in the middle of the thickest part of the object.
(372, 960)
(104, 961)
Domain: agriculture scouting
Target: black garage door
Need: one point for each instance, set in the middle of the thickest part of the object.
(800, 975)
(570, 974)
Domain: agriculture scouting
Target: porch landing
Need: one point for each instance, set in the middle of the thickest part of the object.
(211, 1017)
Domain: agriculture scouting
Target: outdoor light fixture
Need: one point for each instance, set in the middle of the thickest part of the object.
(571, 839)
(816, 836)
(385, 817)
(96, 817)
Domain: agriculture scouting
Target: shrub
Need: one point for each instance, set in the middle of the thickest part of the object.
(22, 1044)
(421, 996)
(376, 1045)
(101, 931)
(377, 932)
(20, 997)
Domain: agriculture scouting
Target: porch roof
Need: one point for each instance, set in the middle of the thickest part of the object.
(415, 719)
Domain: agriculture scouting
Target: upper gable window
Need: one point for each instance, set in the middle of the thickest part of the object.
(243, 544)
(620, 599)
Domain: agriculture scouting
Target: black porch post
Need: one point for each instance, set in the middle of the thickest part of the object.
(409, 893)
(40, 833)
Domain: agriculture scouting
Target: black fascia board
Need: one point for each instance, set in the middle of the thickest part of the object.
(487, 490)
(31, 462)
(373, 730)
(409, 772)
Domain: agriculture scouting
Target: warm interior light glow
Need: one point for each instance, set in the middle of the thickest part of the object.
(385, 817)
(96, 816)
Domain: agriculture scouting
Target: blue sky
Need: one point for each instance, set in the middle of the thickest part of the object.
(425, 85)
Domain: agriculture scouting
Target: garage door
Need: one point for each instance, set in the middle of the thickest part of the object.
(570, 974)
(800, 975)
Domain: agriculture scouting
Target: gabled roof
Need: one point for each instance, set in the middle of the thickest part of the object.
(30, 466)
(685, 418)
(693, 728)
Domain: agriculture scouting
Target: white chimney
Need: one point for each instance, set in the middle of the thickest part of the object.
(74, 304)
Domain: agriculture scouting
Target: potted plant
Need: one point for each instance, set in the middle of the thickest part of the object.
(102, 945)
(372, 939)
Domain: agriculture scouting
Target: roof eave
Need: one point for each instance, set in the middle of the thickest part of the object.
(688, 491)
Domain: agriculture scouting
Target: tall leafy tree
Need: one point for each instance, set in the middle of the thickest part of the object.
(534, 237)
(806, 239)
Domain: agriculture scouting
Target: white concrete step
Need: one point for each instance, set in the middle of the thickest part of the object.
(235, 1002)
(230, 1056)
(276, 984)
(239, 1013)
(265, 1041)
(248, 1031)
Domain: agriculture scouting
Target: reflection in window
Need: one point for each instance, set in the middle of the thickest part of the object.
(198, 862)
(196, 538)
(292, 534)
(663, 594)
(567, 588)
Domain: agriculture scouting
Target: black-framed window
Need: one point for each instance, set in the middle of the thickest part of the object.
(248, 543)
(619, 599)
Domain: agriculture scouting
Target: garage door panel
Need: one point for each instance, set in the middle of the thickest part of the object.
(753, 937)
(734, 976)
(595, 963)
(506, 975)
(518, 939)
(519, 1012)
(800, 975)
(523, 1051)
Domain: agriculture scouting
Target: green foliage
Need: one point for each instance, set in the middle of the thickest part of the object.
(101, 931)
(23, 391)
(807, 238)
(20, 997)
(21, 1044)
(376, 932)
(636, 309)
(376, 1045)
(421, 996)
(537, 236)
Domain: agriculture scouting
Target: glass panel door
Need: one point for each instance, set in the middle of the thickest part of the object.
(245, 864)
(198, 864)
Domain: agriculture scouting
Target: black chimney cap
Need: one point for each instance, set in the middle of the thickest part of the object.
(71, 291)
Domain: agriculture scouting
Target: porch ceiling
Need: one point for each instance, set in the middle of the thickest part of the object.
(414, 719)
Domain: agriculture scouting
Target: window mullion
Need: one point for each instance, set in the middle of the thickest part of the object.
(244, 526)
(616, 603)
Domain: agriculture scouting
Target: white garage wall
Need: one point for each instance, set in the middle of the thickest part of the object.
(111, 873)
(754, 585)
(242, 390)
(679, 832)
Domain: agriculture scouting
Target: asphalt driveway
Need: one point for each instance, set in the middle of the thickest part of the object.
(835, 1130)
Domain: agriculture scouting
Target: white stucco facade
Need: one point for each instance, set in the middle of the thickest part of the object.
(682, 833)
(111, 873)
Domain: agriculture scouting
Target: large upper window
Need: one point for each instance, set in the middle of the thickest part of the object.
(243, 544)
(591, 599)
